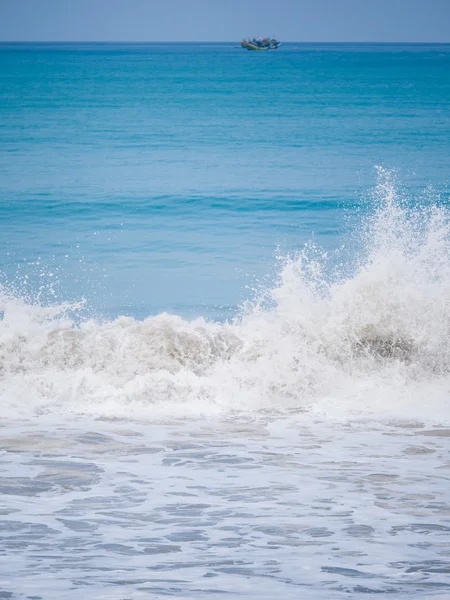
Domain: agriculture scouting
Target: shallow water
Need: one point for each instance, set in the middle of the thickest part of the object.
(213, 509)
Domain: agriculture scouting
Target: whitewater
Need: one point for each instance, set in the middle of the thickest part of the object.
(371, 344)
(300, 449)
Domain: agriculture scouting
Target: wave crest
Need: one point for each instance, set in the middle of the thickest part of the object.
(375, 342)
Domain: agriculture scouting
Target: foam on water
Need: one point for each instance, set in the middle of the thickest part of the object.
(373, 344)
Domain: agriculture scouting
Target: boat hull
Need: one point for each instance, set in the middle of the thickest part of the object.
(258, 47)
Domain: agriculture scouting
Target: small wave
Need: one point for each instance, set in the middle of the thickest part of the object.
(372, 344)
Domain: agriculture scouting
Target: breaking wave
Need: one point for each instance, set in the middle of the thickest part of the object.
(373, 343)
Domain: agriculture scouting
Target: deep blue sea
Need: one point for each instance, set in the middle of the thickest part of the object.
(224, 321)
(168, 177)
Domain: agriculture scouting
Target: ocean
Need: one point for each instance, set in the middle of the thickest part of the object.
(224, 321)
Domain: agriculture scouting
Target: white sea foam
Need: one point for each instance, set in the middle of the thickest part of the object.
(373, 344)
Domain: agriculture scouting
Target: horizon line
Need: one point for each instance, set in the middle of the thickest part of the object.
(215, 42)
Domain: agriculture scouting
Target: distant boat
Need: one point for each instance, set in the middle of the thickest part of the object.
(260, 44)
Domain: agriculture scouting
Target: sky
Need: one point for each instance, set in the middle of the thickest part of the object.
(225, 20)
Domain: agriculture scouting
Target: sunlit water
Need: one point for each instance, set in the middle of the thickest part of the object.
(297, 446)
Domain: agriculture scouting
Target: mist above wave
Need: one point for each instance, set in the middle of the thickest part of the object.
(373, 343)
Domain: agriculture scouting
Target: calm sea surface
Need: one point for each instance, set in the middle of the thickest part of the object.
(224, 321)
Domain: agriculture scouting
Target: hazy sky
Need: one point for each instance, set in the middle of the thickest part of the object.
(225, 20)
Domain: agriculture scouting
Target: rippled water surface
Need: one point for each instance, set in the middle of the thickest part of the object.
(209, 510)
(224, 321)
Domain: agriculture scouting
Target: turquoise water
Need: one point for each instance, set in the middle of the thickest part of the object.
(224, 322)
(174, 172)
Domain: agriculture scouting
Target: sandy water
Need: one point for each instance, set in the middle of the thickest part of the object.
(210, 509)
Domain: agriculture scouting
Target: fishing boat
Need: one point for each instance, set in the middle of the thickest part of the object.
(260, 44)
